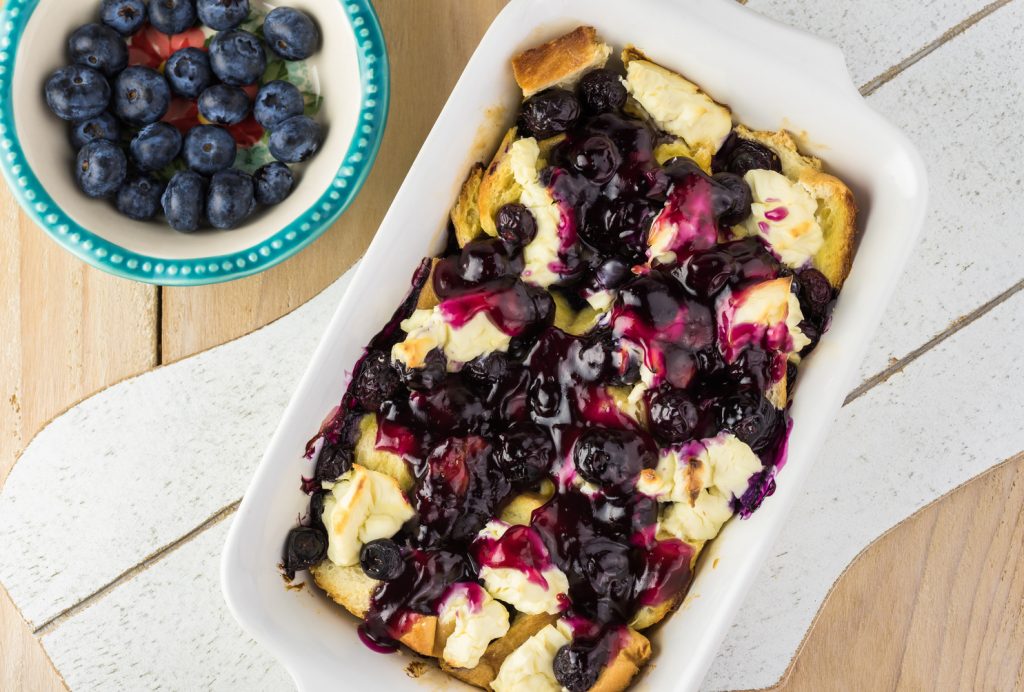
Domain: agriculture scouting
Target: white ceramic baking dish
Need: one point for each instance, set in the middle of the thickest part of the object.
(772, 76)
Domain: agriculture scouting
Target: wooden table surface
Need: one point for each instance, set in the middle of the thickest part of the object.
(936, 603)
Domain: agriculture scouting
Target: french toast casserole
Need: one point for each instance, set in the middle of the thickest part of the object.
(588, 383)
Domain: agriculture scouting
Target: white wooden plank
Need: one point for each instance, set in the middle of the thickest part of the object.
(951, 415)
(167, 629)
(962, 106)
(873, 35)
(141, 464)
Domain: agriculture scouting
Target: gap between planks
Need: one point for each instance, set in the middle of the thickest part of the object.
(956, 326)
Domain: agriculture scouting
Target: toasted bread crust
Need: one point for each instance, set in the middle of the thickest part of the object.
(465, 215)
(498, 185)
(428, 298)
(621, 670)
(559, 62)
(837, 209)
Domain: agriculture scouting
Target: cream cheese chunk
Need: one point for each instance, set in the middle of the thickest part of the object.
(362, 506)
(525, 592)
(765, 314)
(541, 255)
(427, 329)
(475, 620)
(677, 105)
(531, 666)
(699, 480)
(783, 213)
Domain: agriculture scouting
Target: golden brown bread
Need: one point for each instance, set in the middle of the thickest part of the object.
(523, 627)
(465, 214)
(837, 210)
(559, 62)
(520, 508)
(620, 671)
(498, 185)
(388, 463)
(428, 298)
(677, 147)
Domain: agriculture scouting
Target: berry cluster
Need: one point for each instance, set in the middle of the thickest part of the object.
(130, 147)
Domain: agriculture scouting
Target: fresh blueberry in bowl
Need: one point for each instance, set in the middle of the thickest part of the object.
(296, 139)
(155, 147)
(101, 168)
(731, 198)
(376, 380)
(141, 96)
(77, 93)
(103, 126)
(573, 670)
(208, 149)
(291, 34)
(172, 16)
(274, 182)
(184, 200)
(139, 198)
(276, 102)
(739, 155)
(188, 72)
(231, 199)
(224, 105)
(613, 459)
(673, 415)
(123, 16)
(382, 559)
(99, 47)
(222, 15)
(237, 57)
(304, 547)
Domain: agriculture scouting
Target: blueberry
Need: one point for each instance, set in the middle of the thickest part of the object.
(382, 559)
(156, 146)
(183, 201)
(123, 16)
(516, 225)
(172, 16)
(595, 158)
(98, 47)
(230, 200)
(77, 92)
(524, 454)
(208, 149)
(296, 139)
(101, 168)
(305, 547)
(274, 182)
(103, 126)
(730, 198)
(291, 34)
(573, 670)
(550, 112)
(612, 459)
(276, 102)
(739, 155)
(430, 375)
(141, 96)
(237, 57)
(188, 72)
(751, 417)
(224, 105)
(486, 260)
(673, 415)
(815, 291)
(139, 198)
(222, 15)
(376, 380)
(602, 90)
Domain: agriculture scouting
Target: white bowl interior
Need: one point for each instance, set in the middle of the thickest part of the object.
(771, 76)
(47, 149)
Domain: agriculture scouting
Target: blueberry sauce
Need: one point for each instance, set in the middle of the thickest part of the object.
(551, 407)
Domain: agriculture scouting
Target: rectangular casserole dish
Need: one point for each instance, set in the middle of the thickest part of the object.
(771, 76)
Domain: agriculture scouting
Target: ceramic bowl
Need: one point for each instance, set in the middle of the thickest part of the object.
(772, 76)
(350, 73)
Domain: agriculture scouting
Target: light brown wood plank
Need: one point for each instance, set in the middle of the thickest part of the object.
(935, 604)
(66, 331)
(429, 44)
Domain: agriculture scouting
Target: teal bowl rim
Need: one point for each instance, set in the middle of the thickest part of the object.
(110, 257)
